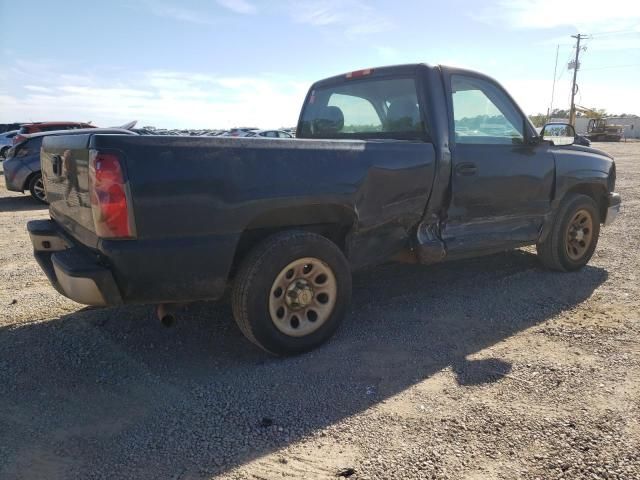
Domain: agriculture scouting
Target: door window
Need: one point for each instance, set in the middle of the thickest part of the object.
(483, 113)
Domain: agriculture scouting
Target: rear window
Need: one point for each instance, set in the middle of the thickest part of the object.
(364, 109)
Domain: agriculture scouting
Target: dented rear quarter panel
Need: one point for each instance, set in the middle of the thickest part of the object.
(194, 197)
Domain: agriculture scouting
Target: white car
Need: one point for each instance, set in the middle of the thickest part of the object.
(270, 134)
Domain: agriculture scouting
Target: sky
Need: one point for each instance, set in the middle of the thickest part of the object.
(225, 63)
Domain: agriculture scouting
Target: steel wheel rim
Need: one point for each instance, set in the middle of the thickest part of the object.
(579, 234)
(302, 297)
(38, 189)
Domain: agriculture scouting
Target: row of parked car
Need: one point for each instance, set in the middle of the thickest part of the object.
(20, 148)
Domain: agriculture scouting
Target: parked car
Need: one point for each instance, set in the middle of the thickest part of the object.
(22, 166)
(6, 142)
(377, 172)
(269, 134)
(239, 132)
(29, 128)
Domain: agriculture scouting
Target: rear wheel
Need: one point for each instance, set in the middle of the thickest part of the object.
(36, 188)
(291, 293)
(574, 235)
(3, 152)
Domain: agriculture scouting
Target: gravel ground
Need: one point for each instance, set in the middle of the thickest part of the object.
(490, 368)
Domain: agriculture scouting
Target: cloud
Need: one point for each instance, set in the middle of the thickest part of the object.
(182, 14)
(37, 88)
(164, 98)
(354, 16)
(238, 6)
(588, 16)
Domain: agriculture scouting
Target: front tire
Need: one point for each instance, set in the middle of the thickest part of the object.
(574, 235)
(292, 292)
(36, 188)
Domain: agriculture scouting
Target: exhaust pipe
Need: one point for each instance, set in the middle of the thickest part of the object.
(166, 314)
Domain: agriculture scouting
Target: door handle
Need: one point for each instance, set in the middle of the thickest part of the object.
(466, 169)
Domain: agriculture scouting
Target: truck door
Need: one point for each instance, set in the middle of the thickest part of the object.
(501, 184)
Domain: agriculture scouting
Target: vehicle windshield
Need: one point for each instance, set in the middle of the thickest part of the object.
(364, 109)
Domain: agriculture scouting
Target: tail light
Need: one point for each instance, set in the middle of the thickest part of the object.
(359, 73)
(17, 139)
(110, 204)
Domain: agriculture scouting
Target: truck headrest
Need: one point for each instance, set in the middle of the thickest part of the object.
(403, 115)
(329, 120)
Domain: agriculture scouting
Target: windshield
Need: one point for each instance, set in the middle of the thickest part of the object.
(364, 109)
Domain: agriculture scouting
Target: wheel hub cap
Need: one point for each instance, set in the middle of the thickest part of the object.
(299, 294)
(579, 235)
(302, 297)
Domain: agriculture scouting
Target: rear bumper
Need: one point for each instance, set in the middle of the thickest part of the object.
(137, 271)
(614, 208)
(73, 271)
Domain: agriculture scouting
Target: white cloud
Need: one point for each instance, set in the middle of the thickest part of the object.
(37, 88)
(238, 6)
(588, 16)
(179, 13)
(354, 16)
(162, 98)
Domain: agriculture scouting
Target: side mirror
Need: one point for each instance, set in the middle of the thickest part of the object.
(559, 133)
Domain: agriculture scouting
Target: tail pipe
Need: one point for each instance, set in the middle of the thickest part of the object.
(166, 313)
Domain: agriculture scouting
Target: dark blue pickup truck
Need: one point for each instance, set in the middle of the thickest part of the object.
(415, 162)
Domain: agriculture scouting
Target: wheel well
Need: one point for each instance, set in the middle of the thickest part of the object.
(336, 232)
(27, 180)
(597, 192)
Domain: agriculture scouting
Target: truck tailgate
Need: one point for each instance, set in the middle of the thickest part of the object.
(65, 171)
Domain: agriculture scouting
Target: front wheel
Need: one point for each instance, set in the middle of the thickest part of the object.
(574, 235)
(292, 292)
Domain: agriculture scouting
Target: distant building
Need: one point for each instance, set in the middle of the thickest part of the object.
(631, 124)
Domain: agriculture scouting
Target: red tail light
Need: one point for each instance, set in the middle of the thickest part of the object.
(109, 198)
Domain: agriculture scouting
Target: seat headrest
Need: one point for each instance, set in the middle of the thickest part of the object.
(403, 115)
(329, 120)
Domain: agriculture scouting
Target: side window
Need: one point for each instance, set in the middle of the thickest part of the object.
(359, 113)
(271, 134)
(483, 114)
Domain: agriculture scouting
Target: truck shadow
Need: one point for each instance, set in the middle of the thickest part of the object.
(198, 399)
(20, 204)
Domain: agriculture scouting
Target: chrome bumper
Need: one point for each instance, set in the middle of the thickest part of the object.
(614, 208)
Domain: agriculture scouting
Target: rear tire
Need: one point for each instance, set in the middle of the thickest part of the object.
(574, 235)
(291, 292)
(36, 188)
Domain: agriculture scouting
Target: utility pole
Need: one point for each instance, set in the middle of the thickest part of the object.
(553, 87)
(572, 112)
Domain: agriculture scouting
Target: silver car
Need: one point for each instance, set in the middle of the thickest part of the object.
(6, 142)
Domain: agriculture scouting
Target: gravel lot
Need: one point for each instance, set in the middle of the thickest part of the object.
(490, 368)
